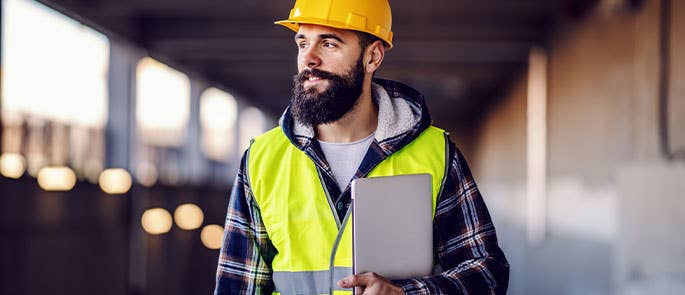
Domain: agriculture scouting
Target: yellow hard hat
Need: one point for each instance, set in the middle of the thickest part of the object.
(369, 16)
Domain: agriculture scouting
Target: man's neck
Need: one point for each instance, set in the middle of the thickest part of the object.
(357, 124)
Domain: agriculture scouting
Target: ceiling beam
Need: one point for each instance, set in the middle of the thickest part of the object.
(255, 49)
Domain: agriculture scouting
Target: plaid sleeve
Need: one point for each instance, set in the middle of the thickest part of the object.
(246, 253)
(465, 241)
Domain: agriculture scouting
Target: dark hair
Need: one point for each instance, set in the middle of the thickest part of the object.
(366, 39)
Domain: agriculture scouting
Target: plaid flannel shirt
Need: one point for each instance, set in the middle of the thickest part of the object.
(465, 242)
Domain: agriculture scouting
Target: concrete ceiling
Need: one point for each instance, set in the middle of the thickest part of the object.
(460, 53)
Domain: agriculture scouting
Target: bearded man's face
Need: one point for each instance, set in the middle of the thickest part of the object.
(331, 74)
(321, 102)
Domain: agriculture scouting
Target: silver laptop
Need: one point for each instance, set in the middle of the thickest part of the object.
(392, 226)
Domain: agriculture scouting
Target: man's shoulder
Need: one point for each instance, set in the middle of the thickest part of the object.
(274, 134)
(270, 145)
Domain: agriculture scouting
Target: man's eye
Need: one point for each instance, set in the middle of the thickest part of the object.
(329, 45)
(302, 45)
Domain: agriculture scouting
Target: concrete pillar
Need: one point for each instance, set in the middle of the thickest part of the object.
(121, 147)
(121, 123)
(194, 169)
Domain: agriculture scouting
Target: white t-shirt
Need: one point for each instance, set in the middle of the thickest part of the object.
(345, 158)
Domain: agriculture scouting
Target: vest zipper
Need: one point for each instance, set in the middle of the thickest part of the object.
(330, 201)
(338, 238)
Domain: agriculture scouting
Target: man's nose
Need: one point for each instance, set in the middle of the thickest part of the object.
(310, 58)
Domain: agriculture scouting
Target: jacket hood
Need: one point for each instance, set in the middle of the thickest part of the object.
(402, 116)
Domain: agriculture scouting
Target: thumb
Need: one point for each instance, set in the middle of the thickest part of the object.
(360, 280)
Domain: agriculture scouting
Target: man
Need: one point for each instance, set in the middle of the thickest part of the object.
(286, 227)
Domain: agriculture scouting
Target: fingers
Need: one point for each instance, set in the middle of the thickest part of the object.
(370, 283)
(360, 280)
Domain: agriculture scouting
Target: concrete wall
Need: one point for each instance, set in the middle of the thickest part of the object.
(614, 200)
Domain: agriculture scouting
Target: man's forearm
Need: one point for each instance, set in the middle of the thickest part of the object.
(489, 275)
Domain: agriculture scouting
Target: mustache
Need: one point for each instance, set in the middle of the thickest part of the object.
(305, 74)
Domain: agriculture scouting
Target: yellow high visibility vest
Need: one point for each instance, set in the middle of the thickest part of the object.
(314, 248)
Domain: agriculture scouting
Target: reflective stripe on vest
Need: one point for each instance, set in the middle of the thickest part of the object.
(299, 215)
(308, 282)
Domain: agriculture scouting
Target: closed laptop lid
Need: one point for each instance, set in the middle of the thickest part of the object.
(392, 226)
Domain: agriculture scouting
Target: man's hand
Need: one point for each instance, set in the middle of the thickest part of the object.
(370, 283)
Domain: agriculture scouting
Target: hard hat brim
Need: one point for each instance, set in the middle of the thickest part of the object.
(295, 26)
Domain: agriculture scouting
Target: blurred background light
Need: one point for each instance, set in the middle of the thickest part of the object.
(536, 147)
(56, 178)
(212, 236)
(92, 170)
(71, 85)
(115, 181)
(218, 113)
(12, 165)
(146, 174)
(12, 132)
(156, 221)
(36, 145)
(252, 123)
(162, 103)
(188, 216)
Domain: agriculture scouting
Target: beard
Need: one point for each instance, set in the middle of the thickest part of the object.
(311, 107)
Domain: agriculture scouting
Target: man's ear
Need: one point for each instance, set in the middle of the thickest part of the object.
(374, 53)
